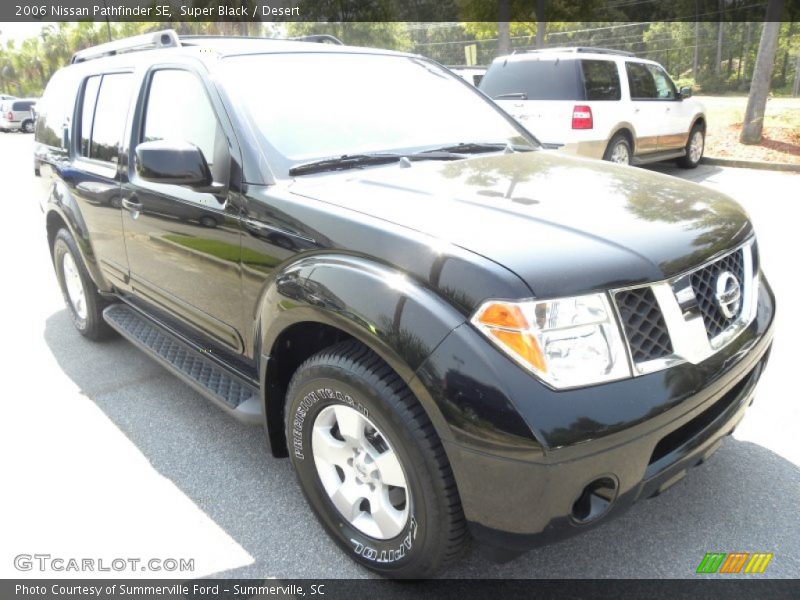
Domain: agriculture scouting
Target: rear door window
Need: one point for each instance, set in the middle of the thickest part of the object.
(533, 80)
(641, 82)
(90, 89)
(110, 115)
(601, 80)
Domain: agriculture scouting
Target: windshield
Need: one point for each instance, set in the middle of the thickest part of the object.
(310, 106)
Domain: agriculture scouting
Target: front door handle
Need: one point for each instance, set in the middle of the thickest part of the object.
(132, 205)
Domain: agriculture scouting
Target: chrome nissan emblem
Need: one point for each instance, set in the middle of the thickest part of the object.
(728, 294)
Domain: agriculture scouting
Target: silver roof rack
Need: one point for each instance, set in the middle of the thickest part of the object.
(147, 41)
(168, 38)
(587, 49)
(319, 38)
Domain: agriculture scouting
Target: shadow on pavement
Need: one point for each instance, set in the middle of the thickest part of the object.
(744, 499)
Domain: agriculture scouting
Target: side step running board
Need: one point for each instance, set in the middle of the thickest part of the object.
(224, 389)
(658, 157)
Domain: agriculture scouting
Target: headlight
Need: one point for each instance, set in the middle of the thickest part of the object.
(567, 342)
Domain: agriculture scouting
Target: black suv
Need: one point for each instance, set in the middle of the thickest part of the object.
(452, 333)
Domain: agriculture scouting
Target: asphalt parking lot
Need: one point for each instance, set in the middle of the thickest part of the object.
(106, 455)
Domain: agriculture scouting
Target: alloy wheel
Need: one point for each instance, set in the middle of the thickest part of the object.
(361, 472)
(75, 291)
(620, 154)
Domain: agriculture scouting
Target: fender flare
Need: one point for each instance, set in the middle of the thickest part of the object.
(61, 202)
(368, 301)
(619, 127)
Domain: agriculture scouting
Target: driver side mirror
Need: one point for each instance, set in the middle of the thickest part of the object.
(176, 163)
(686, 92)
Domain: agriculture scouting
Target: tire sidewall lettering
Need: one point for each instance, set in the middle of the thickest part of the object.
(309, 401)
(388, 555)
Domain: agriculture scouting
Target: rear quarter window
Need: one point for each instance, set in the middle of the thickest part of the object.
(22, 106)
(601, 80)
(534, 79)
(54, 110)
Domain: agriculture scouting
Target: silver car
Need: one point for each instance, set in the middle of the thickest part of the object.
(17, 114)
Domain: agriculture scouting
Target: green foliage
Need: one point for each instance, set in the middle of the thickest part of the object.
(25, 68)
(379, 35)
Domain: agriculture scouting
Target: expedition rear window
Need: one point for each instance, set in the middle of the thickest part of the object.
(537, 79)
(22, 106)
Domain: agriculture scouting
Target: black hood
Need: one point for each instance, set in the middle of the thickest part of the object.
(563, 225)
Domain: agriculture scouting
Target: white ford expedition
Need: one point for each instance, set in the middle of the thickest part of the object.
(600, 104)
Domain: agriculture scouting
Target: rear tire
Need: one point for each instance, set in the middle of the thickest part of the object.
(619, 150)
(695, 146)
(371, 465)
(84, 304)
(27, 126)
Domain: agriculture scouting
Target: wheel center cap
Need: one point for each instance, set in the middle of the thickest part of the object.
(361, 467)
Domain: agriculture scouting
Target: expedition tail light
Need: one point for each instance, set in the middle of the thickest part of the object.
(10, 116)
(582, 117)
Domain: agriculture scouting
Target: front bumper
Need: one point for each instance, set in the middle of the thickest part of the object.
(637, 436)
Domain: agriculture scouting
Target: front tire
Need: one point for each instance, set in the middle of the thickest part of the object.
(84, 304)
(695, 146)
(618, 150)
(371, 465)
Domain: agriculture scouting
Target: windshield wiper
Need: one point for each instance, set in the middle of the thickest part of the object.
(474, 148)
(518, 95)
(346, 161)
(351, 161)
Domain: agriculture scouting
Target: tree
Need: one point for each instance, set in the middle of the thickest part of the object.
(762, 76)
(796, 86)
(393, 36)
(503, 30)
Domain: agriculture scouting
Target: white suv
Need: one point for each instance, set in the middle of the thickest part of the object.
(600, 103)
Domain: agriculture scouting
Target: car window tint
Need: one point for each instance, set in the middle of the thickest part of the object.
(109, 116)
(665, 89)
(535, 79)
(179, 109)
(641, 82)
(22, 106)
(601, 79)
(90, 89)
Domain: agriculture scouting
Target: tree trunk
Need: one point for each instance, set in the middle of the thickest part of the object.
(796, 86)
(785, 63)
(503, 29)
(541, 23)
(762, 76)
(720, 36)
(748, 33)
(696, 49)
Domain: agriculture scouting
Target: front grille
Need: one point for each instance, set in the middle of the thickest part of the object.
(644, 324)
(704, 283)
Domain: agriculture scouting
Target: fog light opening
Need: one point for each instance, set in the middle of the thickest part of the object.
(595, 500)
